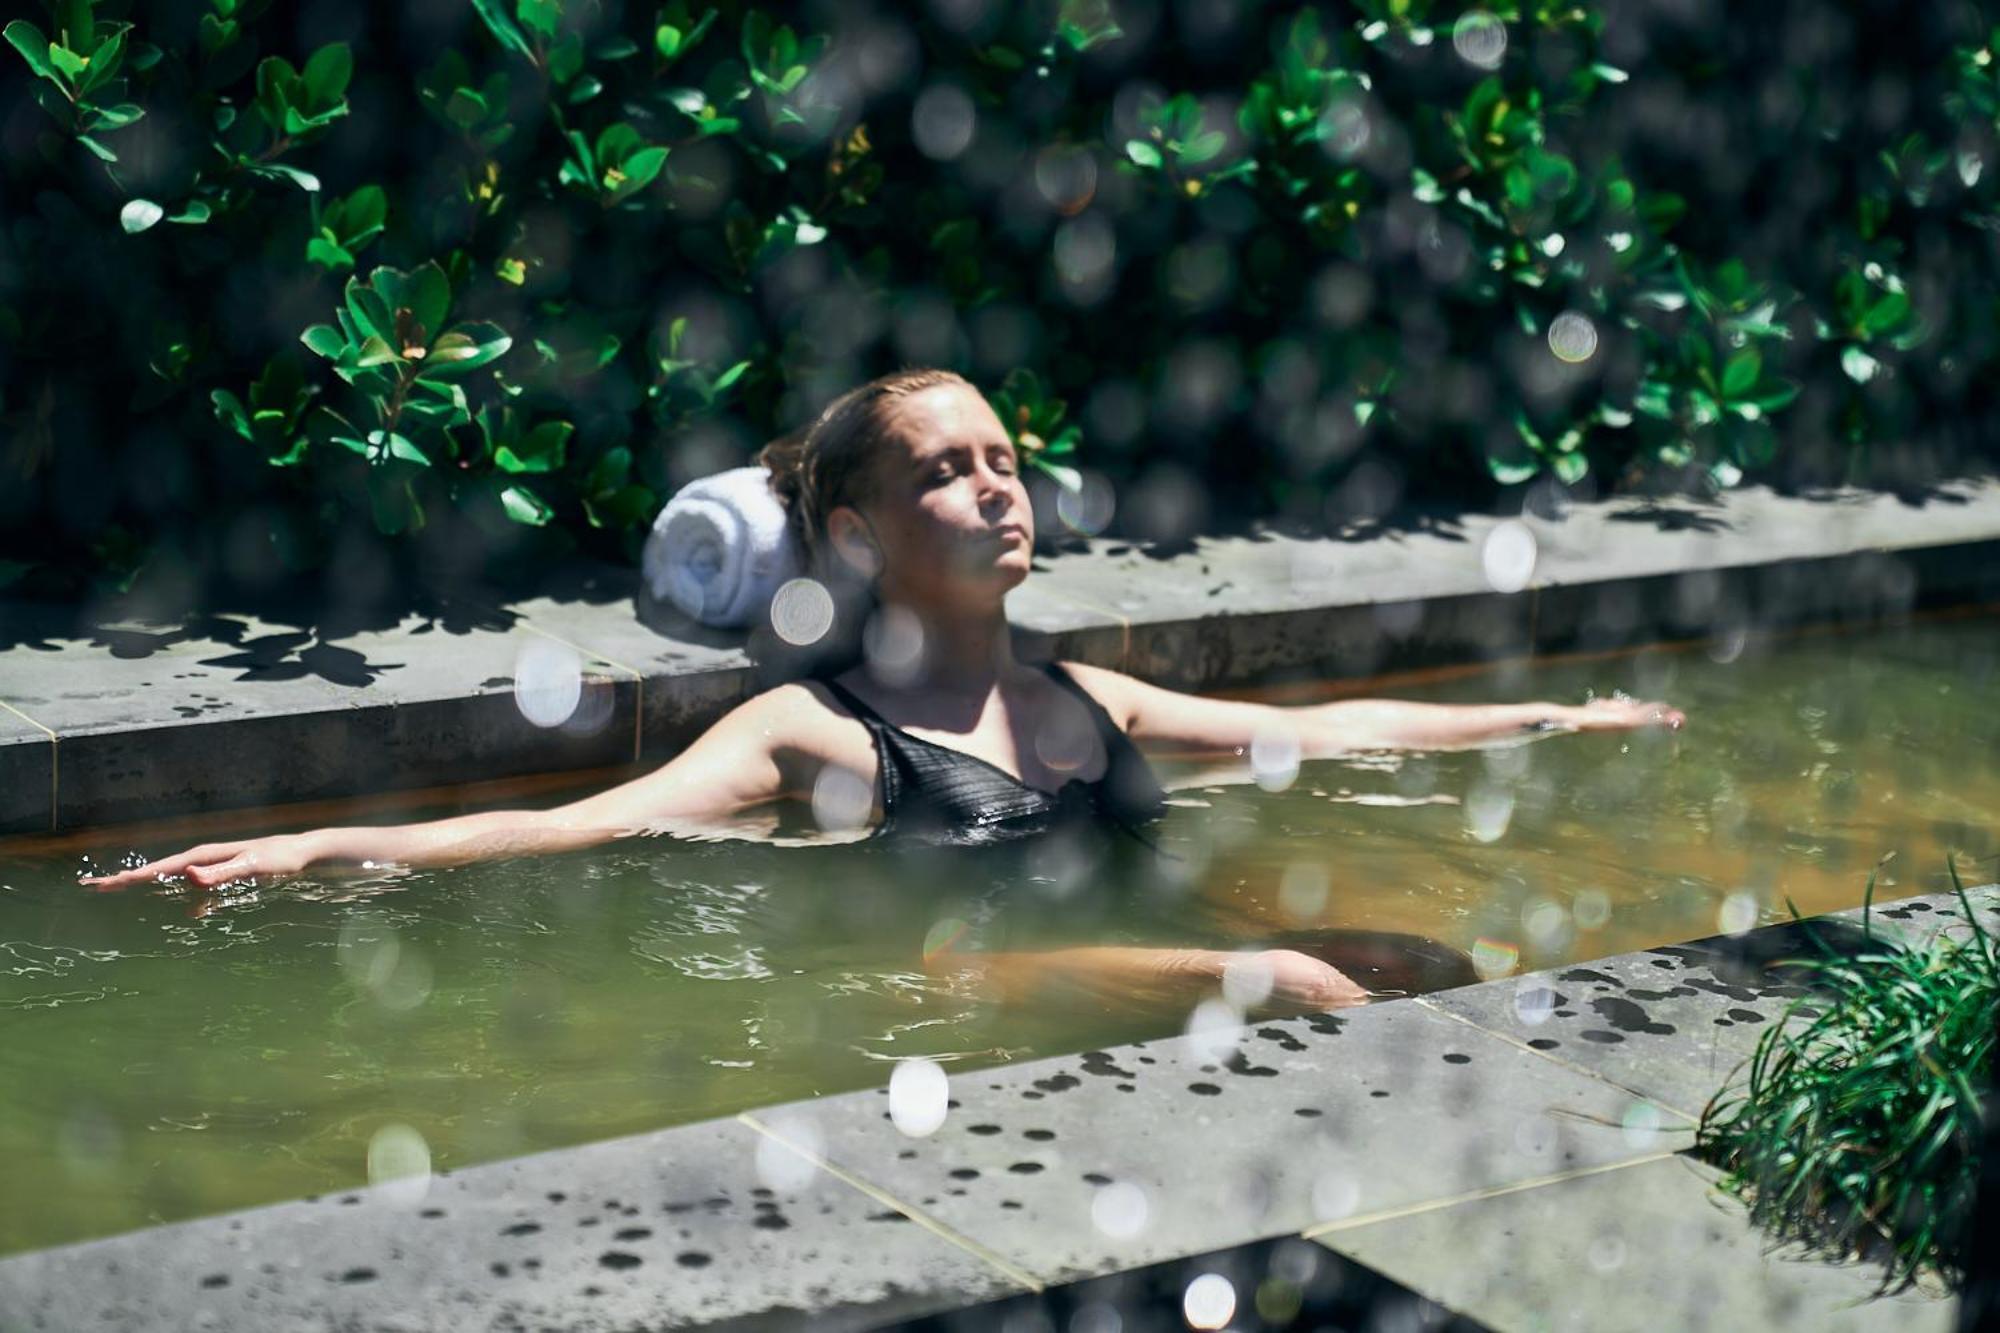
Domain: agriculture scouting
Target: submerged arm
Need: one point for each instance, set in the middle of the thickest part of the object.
(1283, 976)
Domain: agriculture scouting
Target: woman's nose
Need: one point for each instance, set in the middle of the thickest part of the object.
(994, 495)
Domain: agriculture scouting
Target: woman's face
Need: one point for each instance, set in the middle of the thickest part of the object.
(948, 511)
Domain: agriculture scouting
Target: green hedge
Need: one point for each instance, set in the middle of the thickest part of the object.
(284, 286)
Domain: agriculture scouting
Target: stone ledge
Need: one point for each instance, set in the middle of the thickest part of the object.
(110, 722)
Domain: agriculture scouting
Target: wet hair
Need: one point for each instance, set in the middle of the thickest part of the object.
(828, 462)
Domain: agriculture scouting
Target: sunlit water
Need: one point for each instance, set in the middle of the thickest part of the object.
(162, 1058)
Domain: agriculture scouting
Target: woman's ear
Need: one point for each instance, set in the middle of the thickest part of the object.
(853, 540)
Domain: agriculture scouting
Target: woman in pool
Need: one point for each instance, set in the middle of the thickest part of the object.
(911, 484)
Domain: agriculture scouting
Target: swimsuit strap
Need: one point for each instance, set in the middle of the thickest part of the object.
(852, 702)
(888, 781)
(1105, 726)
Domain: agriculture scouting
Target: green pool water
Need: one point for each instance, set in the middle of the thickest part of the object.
(163, 1057)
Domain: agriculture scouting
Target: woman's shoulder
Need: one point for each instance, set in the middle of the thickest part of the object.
(801, 715)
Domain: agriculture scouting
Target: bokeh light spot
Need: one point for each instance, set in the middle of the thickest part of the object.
(919, 1094)
(1572, 337)
(802, 612)
(1508, 556)
(1209, 1301)
(548, 681)
(1480, 39)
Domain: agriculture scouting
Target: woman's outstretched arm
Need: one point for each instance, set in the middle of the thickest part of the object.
(732, 766)
(1169, 720)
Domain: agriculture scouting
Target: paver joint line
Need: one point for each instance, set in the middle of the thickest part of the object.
(1517, 1043)
(1474, 1196)
(55, 741)
(638, 680)
(915, 1214)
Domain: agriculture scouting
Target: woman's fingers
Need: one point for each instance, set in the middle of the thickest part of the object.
(1301, 979)
(240, 866)
(153, 870)
(1621, 714)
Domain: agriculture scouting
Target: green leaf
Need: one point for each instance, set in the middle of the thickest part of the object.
(609, 472)
(375, 352)
(370, 313)
(1143, 153)
(114, 117)
(541, 16)
(229, 410)
(524, 506)
(540, 450)
(67, 61)
(1858, 365)
(305, 180)
(463, 350)
(1775, 398)
(325, 340)
(1886, 313)
(401, 446)
(26, 38)
(1570, 467)
(1508, 472)
(502, 26)
(99, 149)
(328, 253)
(1742, 372)
(140, 214)
(1203, 147)
(640, 169)
(327, 73)
(427, 292)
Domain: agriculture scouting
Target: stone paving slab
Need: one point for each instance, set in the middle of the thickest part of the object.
(1638, 1248)
(1673, 1023)
(696, 1225)
(1113, 1159)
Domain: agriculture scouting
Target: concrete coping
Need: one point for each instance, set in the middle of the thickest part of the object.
(1363, 1131)
(111, 721)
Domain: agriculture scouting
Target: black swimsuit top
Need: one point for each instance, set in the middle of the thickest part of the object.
(937, 794)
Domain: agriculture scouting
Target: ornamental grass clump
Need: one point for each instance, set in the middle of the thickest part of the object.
(1858, 1130)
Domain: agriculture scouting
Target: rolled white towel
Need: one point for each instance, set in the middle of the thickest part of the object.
(721, 548)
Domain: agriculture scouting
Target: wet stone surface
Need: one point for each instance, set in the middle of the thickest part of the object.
(684, 1227)
(1122, 1157)
(1673, 1023)
(1643, 1248)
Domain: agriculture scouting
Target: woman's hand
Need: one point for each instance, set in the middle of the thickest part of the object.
(1294, 979)
(1619, 713)
(215, 863)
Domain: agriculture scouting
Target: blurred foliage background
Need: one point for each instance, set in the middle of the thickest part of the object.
(318, 290)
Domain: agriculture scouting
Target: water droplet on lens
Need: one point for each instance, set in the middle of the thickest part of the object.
(919, 1095)
(1572, 337)
(548, 682)
(1480, 39)
(1508, 556)
(1209, 1301)
(802, 612)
